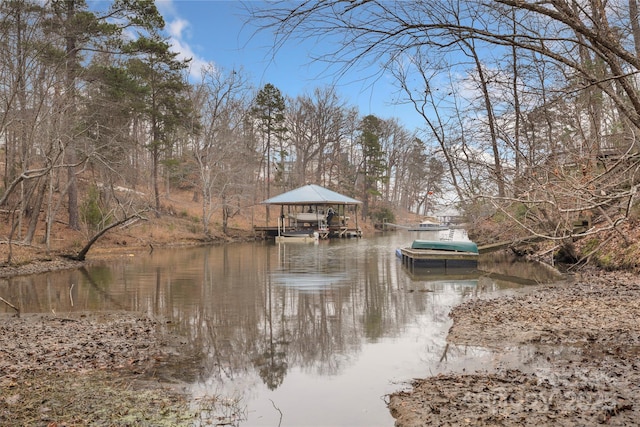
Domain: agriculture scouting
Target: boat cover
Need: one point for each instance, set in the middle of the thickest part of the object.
(446, 245)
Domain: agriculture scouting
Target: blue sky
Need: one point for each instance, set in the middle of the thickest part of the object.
(215, 31)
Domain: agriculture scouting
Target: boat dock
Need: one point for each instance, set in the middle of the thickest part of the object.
(423, 226)
(441, 254)
(312, 210)
(434, 258)
(329, 232)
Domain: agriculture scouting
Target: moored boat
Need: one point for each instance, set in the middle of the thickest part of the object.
(298, 236)
(427, 225)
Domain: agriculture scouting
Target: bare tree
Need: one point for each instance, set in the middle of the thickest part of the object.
(584, 42)
(315, 125)
(222, 100)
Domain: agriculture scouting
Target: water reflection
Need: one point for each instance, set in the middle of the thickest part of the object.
(293, 334)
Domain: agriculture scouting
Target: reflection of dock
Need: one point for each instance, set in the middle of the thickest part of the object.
(465, 276)
(460, 276)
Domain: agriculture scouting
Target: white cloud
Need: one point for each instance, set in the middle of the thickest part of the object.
(166, 7)
(184, 51)
(178, 31)
(177, 27)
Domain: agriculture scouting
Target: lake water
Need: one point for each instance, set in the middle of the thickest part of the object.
(293, 334)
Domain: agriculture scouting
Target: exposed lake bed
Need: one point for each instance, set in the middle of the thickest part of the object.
(85, 368)
(586, 336)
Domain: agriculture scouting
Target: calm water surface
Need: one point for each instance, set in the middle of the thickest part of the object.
(290, 334)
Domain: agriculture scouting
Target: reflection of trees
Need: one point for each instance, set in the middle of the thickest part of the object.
(320, 324)
(386, 306)
(323, 331)
(223, 300)
(271, 356)
(246, 314)
(221, 325)
(374, 300)
(272, 366)
(61, 291)
(95, 278)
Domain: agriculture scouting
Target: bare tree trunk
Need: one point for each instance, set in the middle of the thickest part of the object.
(225, 214)
(268, 175)
(83, 252)
(14, 225)
(156, 187)
(516, 102)
(72, 196)
(41, 188)
(635, 25)
(71, 154)
(491, 121)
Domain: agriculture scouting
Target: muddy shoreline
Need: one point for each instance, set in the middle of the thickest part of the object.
(76, 369)
(39, 266)
(583, 341)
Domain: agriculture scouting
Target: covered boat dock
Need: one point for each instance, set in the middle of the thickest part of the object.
(313, 209)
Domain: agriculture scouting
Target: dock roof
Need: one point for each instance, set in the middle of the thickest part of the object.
(311, 194)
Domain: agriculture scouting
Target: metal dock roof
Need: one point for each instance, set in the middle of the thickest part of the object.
(311, 194)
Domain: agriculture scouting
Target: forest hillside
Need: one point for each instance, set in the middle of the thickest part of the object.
(180, 225)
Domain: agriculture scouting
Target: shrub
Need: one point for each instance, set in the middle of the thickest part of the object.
(90, 210)
(382, 214)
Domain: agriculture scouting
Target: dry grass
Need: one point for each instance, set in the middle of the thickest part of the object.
(88, 398)
(180, 223)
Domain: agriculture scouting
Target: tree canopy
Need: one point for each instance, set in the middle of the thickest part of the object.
(533, 106)
(530, 111)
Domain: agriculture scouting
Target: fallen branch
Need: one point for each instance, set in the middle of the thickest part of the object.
(11, 305)
(83, 252)
(277, 409)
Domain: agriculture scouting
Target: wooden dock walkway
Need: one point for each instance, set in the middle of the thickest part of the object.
(270, 232)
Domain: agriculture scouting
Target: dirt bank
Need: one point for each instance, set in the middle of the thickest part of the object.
(79, 369)
(103, 369)
(583, 338)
